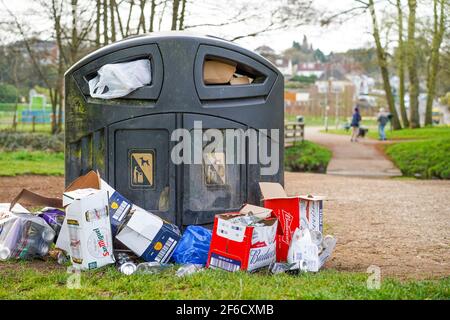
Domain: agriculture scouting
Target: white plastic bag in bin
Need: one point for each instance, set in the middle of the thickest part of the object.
(119, 79)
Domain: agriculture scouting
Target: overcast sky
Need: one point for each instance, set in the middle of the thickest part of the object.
(351, 34)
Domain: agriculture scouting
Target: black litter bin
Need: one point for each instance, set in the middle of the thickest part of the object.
(128, 140)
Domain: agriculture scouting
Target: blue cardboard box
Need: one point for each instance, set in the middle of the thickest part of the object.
(149, 236)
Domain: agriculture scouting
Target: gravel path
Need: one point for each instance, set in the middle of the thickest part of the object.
(402, 226)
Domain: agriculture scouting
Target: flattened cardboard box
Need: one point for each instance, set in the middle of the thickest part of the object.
(292, 213)
(241, 247)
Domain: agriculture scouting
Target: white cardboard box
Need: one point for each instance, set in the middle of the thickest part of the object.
(88, 229)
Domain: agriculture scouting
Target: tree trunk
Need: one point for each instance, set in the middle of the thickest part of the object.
(175, 6)
(127, 30)
(105, 22)
(382, 61)
(182, 15)
(142, 17)
(401, 66)
(152, 16)
(97, 24)
(412, 67)
(119, 19)
(438, 34)
(112, 4)
(74, 46)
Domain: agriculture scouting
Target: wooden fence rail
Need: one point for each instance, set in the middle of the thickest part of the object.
(294, 132)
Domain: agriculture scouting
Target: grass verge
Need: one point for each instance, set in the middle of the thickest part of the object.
(422, 159)
(405, 134)
(19, 281)
(307, 157)
(31, 162)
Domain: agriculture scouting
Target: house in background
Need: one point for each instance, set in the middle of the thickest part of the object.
(309, 69)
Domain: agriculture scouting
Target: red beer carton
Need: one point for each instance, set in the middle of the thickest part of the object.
(239, 246)
(292, 213)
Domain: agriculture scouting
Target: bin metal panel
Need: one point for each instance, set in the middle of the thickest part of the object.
(139, 162)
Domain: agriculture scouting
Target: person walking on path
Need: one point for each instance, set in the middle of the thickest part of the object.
(382, 119)
(356, 119)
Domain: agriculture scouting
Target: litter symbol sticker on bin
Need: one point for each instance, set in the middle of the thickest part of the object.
(142, 168)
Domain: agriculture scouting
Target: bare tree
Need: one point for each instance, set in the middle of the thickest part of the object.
(141, 25)
(152, 16)
(383, 63)
(439, 19)
(401, 64)
(175, 7)
(412, 67)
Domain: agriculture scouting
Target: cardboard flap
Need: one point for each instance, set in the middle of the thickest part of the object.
(90, 180)
(35, 199)
(312, 197)
(270, 190)
(145, 223)
(256, 211)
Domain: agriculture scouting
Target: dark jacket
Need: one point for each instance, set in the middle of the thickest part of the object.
(356, 119)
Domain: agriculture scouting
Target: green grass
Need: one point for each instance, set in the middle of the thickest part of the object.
(21, 281)
(34, 162)
(318, 121)
(307, 157)
(404, 134)
(422, 159)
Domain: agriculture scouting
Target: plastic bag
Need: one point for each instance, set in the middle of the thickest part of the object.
(54, 217)
(194, 246)
(310, 250)
(303, 250)
(24, 236)
(119, 79)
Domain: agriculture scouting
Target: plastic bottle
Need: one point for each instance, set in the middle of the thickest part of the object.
(151, 267)
(188, 269)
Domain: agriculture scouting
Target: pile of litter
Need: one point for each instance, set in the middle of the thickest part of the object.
(93, 226)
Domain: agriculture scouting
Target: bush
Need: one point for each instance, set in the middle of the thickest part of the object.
(307, 157)
(14, 141)
(8, 93)
(422, 159)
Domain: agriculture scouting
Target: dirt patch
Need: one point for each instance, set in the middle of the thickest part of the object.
(401, 226)
(45, 185)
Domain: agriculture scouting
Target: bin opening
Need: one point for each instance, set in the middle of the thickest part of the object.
(222, 71)
(117, 80)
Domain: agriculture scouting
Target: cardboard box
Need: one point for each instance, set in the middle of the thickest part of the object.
(241, 80)
(89, 228)
(218, 72)
(237, 246)
(119, 206)
(292, 213)
(149, 237)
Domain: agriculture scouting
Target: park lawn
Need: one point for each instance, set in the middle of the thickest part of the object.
(404, 134)
(31, 162)
(422, 159)
(20, 281)
(307, 157)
